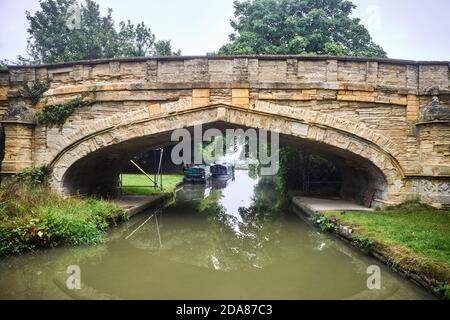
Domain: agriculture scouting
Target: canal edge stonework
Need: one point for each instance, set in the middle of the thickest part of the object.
(345, 233)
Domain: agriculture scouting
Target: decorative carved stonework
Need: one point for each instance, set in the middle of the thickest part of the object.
(20, 112)
(444, 188)
(435, 111)
(433, 191)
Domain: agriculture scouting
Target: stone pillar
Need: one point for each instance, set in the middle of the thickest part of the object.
(433, 131)
(18, 146)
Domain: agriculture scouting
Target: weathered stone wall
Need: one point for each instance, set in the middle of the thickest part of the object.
(19, 147)
(4, 87)
(375, 100)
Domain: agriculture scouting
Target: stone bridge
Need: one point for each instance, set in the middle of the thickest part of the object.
(384, 123)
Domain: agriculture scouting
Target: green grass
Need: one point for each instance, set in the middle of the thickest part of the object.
(131, 181)
(415, 236)
(33, 217)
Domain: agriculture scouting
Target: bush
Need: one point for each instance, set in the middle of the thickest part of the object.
(34, 176)
(444, 291)
(33, 217)
(323, 223)
(363, 242)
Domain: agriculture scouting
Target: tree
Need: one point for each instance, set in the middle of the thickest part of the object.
(135, 41)
(299, 27)
(164, 48)
(94, 37)
(52, 41)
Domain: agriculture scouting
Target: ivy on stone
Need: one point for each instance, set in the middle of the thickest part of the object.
(35, 91)
(56, 114)
(34, 176)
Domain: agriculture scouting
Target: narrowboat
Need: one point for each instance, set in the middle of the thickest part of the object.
(222, 171)
(197, 174)
(219, 184)
(194, 192)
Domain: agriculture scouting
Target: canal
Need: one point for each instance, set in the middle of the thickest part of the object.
(231, 240)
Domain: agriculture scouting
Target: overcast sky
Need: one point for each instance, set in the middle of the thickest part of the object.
(406, 29)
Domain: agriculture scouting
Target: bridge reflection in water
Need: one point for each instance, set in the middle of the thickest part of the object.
(236, 242)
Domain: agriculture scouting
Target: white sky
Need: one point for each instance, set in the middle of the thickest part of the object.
(406, 29)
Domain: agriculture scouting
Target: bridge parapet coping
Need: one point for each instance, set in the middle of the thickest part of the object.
(319, 71)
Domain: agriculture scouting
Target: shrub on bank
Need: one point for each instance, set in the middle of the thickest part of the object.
(444, 291)
(323, 223)
(33, 217)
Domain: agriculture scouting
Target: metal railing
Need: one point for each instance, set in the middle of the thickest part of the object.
(156, 181)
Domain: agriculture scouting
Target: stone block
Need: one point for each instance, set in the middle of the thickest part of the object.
(220, 70)
(114, 68)
(412, 78)
(240, 70)
(154, 109)
(352, 72)
(196, 70)
(398, 100)
(313, 71)
(240, 93)
(241, 102)
(433, 77)
(372, 73)
(200, 93)
(272, 70)
(240, 97)
(171, 71)
(292, 70)
(412, 108)
(392, 75)
(332, 71)
(152, 71)
(200, 102)
(4, 93)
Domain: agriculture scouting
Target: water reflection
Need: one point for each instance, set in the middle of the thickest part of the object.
(238, 194)
(237, 240)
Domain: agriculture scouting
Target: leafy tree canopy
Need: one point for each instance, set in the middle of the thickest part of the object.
(164, 48)
(323, 27)
(136, 40)
(95, 37)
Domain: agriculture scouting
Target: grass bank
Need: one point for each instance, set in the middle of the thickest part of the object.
(413, 236)
(33, 217)
(140, 184)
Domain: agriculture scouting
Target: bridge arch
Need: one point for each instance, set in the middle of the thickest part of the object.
(89, 160)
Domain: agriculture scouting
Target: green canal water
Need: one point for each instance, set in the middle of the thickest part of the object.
(226, 241)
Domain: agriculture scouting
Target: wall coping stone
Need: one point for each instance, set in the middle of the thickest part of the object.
(259, 57)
